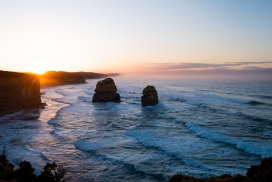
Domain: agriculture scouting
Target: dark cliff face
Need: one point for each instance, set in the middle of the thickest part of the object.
(18, 91)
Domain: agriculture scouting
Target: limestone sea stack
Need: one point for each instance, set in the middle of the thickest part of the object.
(106, 91)
(150, 96)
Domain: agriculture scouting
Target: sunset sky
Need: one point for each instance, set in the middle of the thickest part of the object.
(136, 36)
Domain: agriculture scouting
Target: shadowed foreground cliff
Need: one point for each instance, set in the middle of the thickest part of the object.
(18, 91)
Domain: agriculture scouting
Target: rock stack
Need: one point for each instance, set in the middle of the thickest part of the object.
(150, 96)
(106, 91)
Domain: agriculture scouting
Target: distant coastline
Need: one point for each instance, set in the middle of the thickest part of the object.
(20, 91)
(55, 78)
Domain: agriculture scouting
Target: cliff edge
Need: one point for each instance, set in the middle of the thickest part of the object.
(18, 91)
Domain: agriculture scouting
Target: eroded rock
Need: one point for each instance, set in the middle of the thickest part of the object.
(106, 91)
(150, 96)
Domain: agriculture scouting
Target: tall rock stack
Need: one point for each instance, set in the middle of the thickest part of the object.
(106, 91)
(150, 96)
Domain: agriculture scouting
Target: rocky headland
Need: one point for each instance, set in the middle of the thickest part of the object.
(105, 91)
(54, 78)
(18, 91)
(92, 75)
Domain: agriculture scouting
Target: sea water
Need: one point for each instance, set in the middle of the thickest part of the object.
(198, 128)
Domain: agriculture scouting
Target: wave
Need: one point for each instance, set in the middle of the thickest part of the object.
(174, 146)
(150, 153)
(88, 145)
(177, 100)
(268, 133)
(215, 109)
(85, 99)
(52, 121)
(262, 96)
(10, 116)
(263, 149)
(121, 160)
(214, 99)
(253, 102)
(254, 118)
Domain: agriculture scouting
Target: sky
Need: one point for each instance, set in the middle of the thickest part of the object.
(173, 37)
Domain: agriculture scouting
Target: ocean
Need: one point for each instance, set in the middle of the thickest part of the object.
(199, 128)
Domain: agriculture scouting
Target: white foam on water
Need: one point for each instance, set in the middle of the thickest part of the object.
(9, 116)
(85, 99)
(263, 149)
(127, 151)
(181, 147)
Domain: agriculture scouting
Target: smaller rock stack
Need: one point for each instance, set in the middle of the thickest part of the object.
(150, 96)
(106, 91)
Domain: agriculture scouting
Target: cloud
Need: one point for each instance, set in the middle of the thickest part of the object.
(232, 70)
(192, 66)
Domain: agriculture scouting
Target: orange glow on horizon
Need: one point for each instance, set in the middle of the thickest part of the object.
(39, 67)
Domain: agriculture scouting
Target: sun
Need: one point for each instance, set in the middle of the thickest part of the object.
(39, 67)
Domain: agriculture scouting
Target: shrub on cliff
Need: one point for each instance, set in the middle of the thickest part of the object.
(25, 172)
(4, 161)
(51, 172)
(262, 172)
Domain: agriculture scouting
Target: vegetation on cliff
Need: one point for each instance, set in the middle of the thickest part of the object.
(50, 173)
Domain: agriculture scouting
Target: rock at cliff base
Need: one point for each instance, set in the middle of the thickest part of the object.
(150, 96)
(106, 91)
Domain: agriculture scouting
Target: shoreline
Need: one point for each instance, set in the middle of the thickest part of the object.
(11, 111)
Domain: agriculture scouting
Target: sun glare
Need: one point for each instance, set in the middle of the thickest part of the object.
(39, 67)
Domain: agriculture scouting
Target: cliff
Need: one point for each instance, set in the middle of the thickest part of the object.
(92, 75)
(54, 78)
(18, 91)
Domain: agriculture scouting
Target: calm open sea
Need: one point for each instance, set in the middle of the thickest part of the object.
(198, 128)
